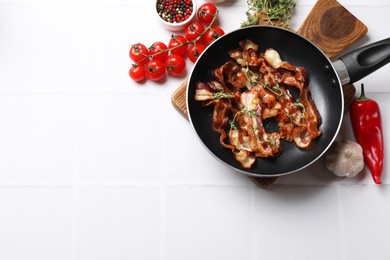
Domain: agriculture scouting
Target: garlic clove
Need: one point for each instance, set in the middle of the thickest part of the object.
(345, 158)
(273, 58)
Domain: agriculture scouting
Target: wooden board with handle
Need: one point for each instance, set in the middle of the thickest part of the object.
(330, 26)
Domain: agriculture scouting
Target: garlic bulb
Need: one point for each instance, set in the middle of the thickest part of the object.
(345, 158)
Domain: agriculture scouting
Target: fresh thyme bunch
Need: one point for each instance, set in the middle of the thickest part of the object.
(273, 10)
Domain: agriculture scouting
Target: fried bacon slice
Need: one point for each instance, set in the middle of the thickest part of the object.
(252, 87)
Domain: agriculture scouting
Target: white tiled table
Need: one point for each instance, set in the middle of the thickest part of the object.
(94, 166)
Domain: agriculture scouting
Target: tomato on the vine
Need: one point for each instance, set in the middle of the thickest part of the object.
(193, 31)
(195, 50)
(155, 69)
(139, 53)
(137, 72)
(175, 65)
(207, 12)
(212, 34)
(160, 50)
(178, 44)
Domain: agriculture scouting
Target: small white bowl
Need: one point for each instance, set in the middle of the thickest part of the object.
(176, 26)
(215, 1)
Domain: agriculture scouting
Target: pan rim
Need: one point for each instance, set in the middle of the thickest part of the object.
(259, 174)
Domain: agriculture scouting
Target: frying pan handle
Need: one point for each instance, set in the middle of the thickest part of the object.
(367, 59)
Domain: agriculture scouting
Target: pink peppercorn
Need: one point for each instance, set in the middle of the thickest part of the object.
(174, 11)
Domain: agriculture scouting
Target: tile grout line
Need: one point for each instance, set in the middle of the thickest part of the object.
(148, 185)
(165, 184)
(163, 187)
(79, 118)
(162, 223)
(341, 222)
(252, 191)
(74, 221)
(76, 187)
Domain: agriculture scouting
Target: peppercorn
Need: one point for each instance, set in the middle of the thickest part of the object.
(174, 11)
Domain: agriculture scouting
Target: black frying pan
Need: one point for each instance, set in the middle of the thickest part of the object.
(325, 81)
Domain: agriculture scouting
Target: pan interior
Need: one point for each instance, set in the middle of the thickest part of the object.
(322, 81)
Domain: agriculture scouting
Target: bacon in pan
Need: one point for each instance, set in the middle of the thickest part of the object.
(253, 87)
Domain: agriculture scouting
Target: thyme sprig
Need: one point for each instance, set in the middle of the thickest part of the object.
(221, 94)
(274, 10)
(272, 140)
(275, 89)
(232, 122)
(251, 77)
(299, 104)
(244, 110)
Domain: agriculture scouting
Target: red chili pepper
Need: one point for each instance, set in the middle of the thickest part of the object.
(367, 127)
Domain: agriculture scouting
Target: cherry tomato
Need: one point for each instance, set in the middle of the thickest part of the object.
(155, 70)
(137, 72)
(139, 53)
(175, 65)
(206, 13)
(193, 31)
(212, 34)
(195, 50)
(179, 43)
(159, 47)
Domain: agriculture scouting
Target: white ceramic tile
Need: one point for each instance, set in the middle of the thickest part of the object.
(105, 47)
(36, 223)
(138, 4)
(207, 223)
(106, 44)
(121, 139)
(314, 174)
(117, 223)
(368, 14)
(365, 215)
(365, 178)
(39, 47)
(296, 223)
(318, 174)
(197, 165)
(227, 12)
(38, 137)
(349, 3)
(41, 2)
(92, 162)
(375, 82)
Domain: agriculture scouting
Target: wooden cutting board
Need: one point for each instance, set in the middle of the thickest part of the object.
(331, 27)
